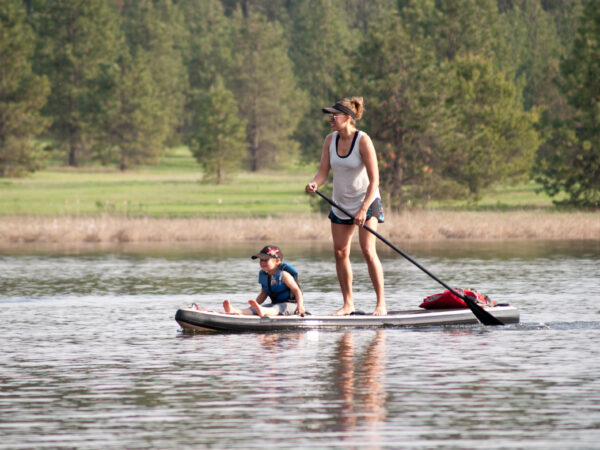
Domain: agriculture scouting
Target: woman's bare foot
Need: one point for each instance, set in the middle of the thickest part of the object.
(380, 311)
(344, 311)
(230, 309)
(254, 304)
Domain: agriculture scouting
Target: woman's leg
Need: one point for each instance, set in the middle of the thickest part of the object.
(368, 242)
(342, 239)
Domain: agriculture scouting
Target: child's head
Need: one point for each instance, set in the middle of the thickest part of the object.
(269, 251)
(270, 258)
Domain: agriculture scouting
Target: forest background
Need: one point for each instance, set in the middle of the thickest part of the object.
(461, 95)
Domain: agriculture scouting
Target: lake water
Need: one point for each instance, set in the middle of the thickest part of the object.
(90, 356)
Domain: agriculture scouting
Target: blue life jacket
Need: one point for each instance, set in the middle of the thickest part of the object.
(274, 286)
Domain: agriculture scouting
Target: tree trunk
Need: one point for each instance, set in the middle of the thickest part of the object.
(28, 5)
(73, 152)
(253, 149)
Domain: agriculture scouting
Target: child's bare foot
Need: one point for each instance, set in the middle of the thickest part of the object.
(344, 311)
(254, 304)
(230, 309)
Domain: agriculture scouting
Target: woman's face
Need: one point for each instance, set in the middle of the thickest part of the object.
(337, 121)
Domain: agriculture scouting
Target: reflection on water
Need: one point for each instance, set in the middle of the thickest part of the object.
(360, 383)
(90, 356)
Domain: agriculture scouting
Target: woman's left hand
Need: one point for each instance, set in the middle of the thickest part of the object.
(360, 218)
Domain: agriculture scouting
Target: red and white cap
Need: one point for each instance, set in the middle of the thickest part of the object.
(270, 251)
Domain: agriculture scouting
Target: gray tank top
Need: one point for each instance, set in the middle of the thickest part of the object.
(350, 179)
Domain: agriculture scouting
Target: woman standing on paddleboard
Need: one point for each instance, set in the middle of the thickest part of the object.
(350, 155)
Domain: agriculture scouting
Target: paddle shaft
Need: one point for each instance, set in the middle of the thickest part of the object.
(483, 316)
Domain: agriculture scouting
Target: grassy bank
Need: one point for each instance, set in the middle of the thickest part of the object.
(170, 203)
(415, 225)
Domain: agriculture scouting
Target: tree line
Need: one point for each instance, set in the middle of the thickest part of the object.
(459, 94)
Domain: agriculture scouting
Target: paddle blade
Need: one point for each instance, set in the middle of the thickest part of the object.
(484, 317)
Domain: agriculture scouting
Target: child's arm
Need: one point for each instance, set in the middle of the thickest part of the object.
(261, 297)
(290, 282)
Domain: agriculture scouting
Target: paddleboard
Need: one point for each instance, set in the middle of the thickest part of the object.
(192, 318)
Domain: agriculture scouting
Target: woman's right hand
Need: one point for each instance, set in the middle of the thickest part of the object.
(311, 187)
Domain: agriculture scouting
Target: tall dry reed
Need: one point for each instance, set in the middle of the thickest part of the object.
(413, 225)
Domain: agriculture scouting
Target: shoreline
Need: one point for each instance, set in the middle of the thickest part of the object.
(416, 225)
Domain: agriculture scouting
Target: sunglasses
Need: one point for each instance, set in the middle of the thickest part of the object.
(333, 116)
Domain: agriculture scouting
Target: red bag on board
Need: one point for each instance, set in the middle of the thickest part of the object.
(447, 300)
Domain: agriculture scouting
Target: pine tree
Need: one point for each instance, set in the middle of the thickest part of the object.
(217, 136)
(569, 161)
(463, 27)
(272, 10)
(395, 71)
(321, 43)
(75, 40)
(494, 139)
(22, 94)
(536, 49)
(129, 128)
(438, 126)
(155, 29)
(361, 14)
(566, 14)
(208, 53)
(265, 88)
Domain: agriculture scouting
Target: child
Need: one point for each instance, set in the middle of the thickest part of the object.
(278, 281)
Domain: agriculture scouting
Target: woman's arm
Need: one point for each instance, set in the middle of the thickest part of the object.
(369, 157)
(324, 167)
(291, 283)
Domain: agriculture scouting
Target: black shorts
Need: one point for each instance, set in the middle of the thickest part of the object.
(375, 210)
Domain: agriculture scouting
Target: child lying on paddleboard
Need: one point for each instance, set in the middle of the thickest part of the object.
(278, 281)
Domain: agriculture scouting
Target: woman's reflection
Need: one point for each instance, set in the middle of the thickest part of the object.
(360, 382)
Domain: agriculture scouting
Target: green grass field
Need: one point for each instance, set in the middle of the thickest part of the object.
(172, 189)
(522, 196)
(175, 189)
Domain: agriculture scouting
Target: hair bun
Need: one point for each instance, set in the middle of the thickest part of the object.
(355, 104)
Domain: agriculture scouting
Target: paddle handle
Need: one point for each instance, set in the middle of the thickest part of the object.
(485, 317)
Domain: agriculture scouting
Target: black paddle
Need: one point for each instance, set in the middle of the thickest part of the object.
(484, 317)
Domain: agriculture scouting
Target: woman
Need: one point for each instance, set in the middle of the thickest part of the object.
(350, 155)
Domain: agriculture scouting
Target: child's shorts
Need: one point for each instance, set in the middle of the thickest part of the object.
(285, 308)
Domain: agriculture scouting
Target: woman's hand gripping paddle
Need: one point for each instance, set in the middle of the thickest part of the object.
(484, 317)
